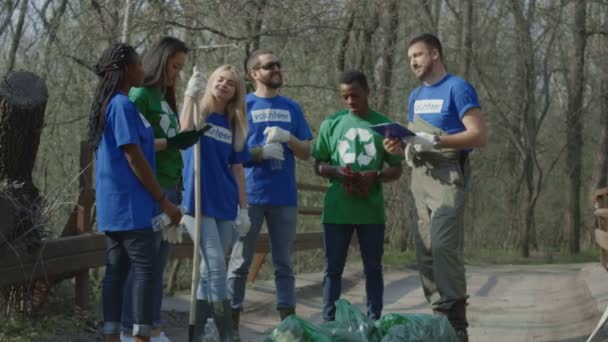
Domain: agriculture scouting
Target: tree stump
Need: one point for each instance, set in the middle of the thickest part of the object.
(23, 98)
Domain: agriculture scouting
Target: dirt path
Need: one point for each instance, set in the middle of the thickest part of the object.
(507, 303)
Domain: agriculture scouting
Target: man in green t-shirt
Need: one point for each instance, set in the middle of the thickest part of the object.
(352, 156)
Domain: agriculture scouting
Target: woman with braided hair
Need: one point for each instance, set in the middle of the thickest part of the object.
(127, 193)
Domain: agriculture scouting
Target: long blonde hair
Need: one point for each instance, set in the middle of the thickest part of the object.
(235, 108)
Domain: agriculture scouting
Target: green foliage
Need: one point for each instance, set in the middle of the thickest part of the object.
(24, 329)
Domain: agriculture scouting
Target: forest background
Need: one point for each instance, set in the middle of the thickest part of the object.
(537, 66)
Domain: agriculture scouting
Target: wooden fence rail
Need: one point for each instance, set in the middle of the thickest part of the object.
(79, 249)
(600, 202)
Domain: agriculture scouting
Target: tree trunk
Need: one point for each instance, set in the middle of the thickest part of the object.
(467, 44)
(17, 36)
(126, 22)
(343, 46)
(23, 98)
(574, 127)
(600, 166)
(528, 123)
(388, 57)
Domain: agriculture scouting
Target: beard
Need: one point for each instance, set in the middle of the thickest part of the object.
(271, 83)
(425, 71)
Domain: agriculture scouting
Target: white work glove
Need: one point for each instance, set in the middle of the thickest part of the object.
(273, 151)
(242, 222)
(196, 84)
(423, 142)
(409, 155)
(276, 134)
(173, 234)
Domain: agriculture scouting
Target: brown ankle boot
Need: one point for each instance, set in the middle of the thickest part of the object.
(286, 312)
(458, 318)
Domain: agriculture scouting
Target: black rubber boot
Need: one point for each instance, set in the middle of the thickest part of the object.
(236, 318)
(222, 314)
(286, 312)
(203, 311)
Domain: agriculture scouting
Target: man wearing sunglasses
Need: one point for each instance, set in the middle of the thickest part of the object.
(278, 132)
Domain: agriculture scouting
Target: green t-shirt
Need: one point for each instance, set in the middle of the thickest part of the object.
(346, 139)
(151, 103)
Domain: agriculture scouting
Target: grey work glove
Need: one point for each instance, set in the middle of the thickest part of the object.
(273, 151)
(423, 142)
(276, 134)
(242, 224)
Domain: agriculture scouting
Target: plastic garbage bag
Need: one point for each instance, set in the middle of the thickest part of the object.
(296, 329)
(389, 320)
(356, 322)
(341, 333)
(416, 327)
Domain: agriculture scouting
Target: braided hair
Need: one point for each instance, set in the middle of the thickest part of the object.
(111, 72)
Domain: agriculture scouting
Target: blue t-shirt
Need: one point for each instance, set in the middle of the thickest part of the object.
(264, 185)
(123, 203)
(219, 191)
(444, 103)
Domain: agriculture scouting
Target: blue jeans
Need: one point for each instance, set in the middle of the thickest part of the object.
(163, 249)
(133, 249)
(215, 239)
(336, 239)
(281, 222)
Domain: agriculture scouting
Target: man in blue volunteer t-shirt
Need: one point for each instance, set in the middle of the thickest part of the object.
(277, 133)
(446, 116)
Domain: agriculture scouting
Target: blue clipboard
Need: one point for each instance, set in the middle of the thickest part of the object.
(393, 130)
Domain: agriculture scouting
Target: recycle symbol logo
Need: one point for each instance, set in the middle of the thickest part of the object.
(363, 155)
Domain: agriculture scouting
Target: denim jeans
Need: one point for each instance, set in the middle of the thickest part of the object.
(281, 222)
(133, 249)
(163, 249)
(215, 239)
(336, 239)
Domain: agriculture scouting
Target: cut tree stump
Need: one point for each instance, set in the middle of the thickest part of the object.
(23, 98)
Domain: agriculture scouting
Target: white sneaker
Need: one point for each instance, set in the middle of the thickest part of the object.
(160, 338)
(126, 338)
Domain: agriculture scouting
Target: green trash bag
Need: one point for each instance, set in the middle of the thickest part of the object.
(356, 323)
(389, 320)
(296, 329)
(340, 333)
(416, 327)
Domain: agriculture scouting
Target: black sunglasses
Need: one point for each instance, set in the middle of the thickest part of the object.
(269, 66)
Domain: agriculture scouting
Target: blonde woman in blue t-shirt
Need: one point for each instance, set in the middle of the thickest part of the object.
(222, 187)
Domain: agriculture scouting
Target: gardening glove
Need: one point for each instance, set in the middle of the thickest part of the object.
(242, 222)
(187, 223)
(276, 134)
(409, 155)
(364, 181)
(173, 234)
(273, 151)
(183, 140)
(423, 142)
(196, 84)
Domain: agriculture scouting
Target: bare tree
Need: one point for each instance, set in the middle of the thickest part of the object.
(17, 36)
(574, 127)
(391, 13)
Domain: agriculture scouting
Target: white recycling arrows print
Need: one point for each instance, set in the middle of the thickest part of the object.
(364, 157)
